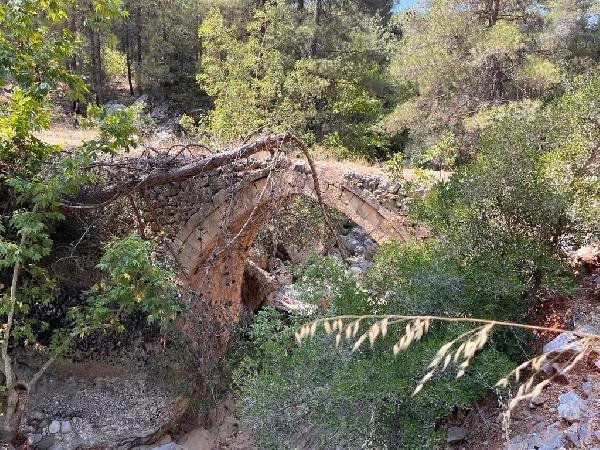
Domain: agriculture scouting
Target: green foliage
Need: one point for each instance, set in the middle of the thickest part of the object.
(135, 283)
(570, 163)
(424, 279)
(114, 62)
(395, 166)
(32, 45)
(443, 154)
(247, 82)
(142, 122)
(461, 56)
(37, 179)
(502, 224)
(267, 76)
(326, 278)
(526, 195)
(344, 398)
(26, 240)
(117, 130)
(160, 39)
(189, 125)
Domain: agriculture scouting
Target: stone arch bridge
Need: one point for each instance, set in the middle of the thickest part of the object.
(210, 220)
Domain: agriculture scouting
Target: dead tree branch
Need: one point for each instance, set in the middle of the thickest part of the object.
(160, 177)
(165, 175)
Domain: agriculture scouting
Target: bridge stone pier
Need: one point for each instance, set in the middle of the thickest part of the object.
(211, 220)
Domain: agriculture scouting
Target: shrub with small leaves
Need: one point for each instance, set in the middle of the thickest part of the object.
(352, 392)
(134, 283)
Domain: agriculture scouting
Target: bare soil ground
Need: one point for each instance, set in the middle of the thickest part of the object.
(67, 135)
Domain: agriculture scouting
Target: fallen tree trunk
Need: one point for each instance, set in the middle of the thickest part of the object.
(161, 176)
(165, 175)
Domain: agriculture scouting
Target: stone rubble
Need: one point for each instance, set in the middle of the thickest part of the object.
(575, 413)
(68, 413)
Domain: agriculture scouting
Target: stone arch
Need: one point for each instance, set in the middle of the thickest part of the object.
(212, 246)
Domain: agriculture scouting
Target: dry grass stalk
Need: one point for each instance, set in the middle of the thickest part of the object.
(460, 351)
(534, 384)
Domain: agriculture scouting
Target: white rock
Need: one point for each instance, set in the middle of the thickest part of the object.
(65, 427)
(54, 427)
(563, 342)
(570, 406)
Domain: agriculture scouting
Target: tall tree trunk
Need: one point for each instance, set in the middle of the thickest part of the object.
(96, 58)
(138, 35)
(15, 408)
(128, 60)
(315, 41)
(138, 48)
(497, 85)
(16, 392)
(492, 11)
(73, 28)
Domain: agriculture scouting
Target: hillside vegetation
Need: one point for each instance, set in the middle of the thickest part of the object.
(501, 97)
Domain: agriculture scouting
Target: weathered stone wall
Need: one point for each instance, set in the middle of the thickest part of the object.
(211, 220)
(175, 203)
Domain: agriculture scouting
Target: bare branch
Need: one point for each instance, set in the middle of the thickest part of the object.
(165, 176)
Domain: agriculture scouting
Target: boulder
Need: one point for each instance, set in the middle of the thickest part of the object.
(284, 299)
(564, 342)
(553, 442)
(588, 256)
(570, 406)
(144, 98)
(160, 111)
(65, 427)
(54, 427)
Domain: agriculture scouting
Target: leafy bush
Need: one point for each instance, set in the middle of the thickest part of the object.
(354, 399)
(264, 77)
(135, 282)
(501, 225)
